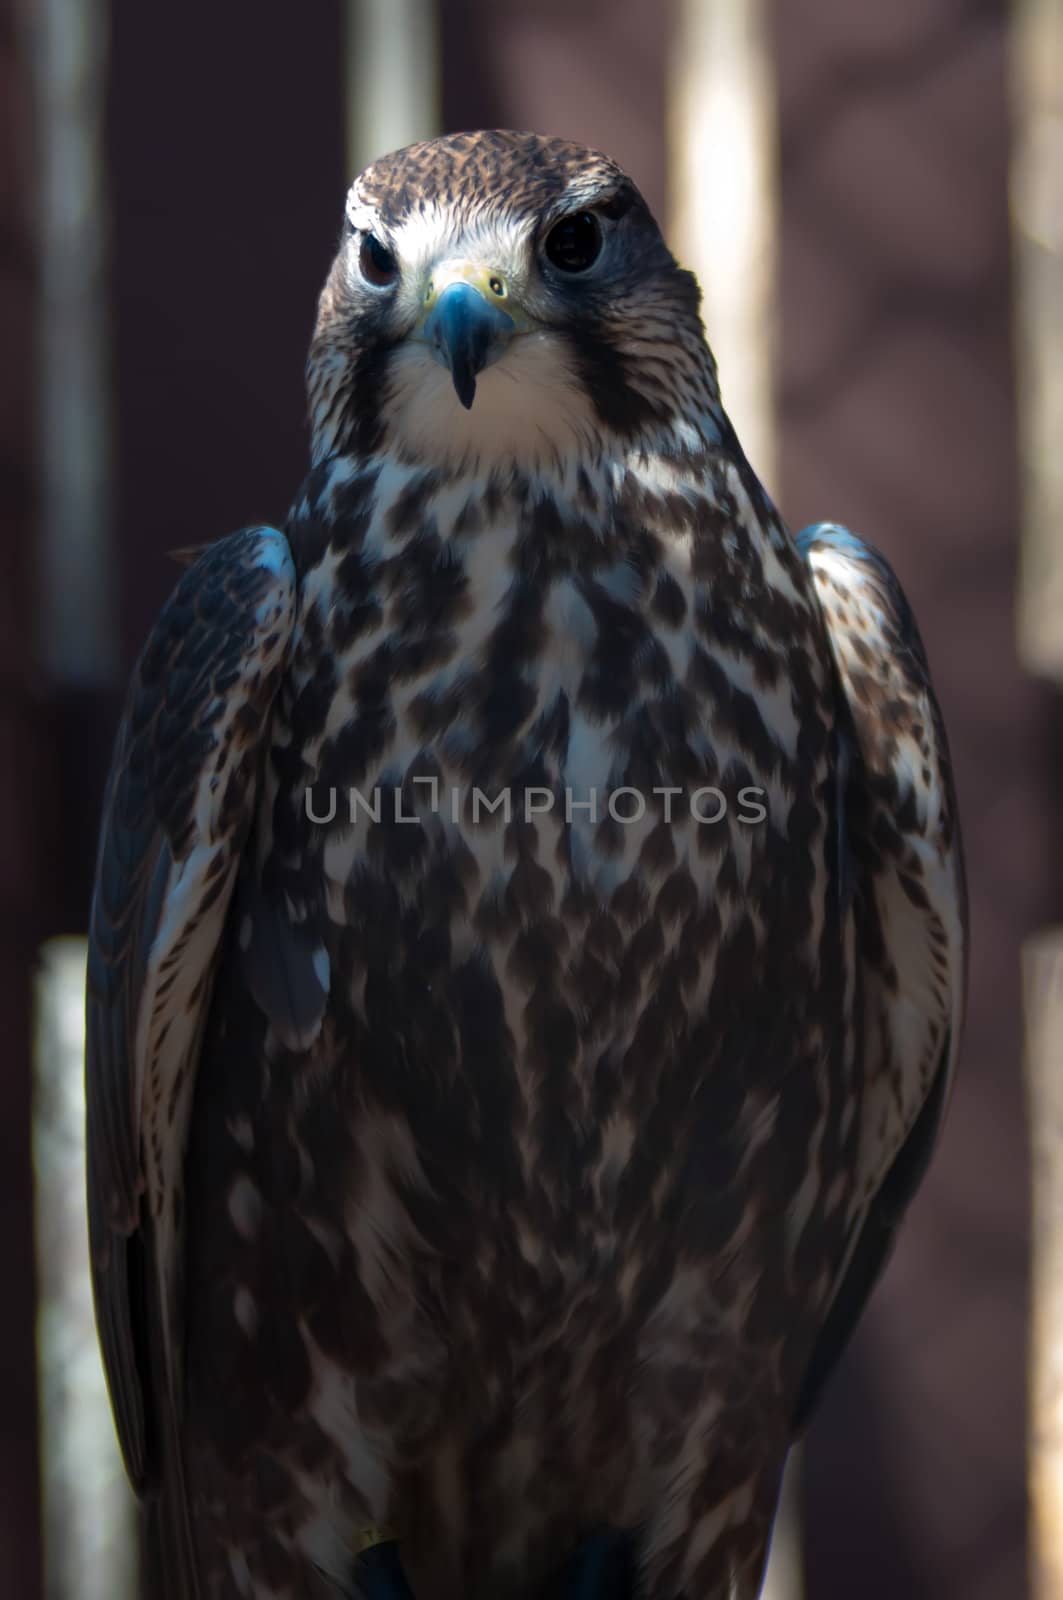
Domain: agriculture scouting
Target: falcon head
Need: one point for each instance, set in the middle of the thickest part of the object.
(503, 296)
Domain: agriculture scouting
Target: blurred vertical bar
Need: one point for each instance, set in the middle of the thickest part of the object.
(723, 188)
(89, 1546)
(1037, 215)
(90, 1550)
(1043, 973)
(723, 200)
(76, 615)
(23, 751)
(391, 50)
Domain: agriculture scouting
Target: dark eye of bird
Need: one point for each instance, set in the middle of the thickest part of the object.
(378, 265)
(574, 243)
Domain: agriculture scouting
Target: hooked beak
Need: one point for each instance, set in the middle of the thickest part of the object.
(466, 324)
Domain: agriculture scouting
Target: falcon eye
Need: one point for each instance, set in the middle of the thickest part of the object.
(575, 243)
(378, 264)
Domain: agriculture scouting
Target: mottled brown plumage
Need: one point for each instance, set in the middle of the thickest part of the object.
(528, 941)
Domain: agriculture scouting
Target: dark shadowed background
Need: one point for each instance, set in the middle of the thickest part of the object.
(221, 154)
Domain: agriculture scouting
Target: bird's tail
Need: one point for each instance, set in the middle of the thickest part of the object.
(168, 1559)
(167, 1555)
(167, 1562)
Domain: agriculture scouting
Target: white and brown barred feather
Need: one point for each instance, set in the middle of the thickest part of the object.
(538, 1166)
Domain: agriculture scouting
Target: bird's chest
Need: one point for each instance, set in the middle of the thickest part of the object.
(537, 840)
(477, 667)
(446, 701)
(580, 764)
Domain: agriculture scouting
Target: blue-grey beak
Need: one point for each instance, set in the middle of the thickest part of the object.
(466, 332)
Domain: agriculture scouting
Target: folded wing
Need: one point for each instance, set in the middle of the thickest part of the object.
(179, 803)
(905, 859)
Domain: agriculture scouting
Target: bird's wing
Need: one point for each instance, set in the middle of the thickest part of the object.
(178, 805)
(905, 861)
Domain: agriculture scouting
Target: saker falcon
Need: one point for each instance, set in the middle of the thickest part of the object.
(527, 951)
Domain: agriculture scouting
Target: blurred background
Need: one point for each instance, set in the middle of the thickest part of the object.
(872, 197)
